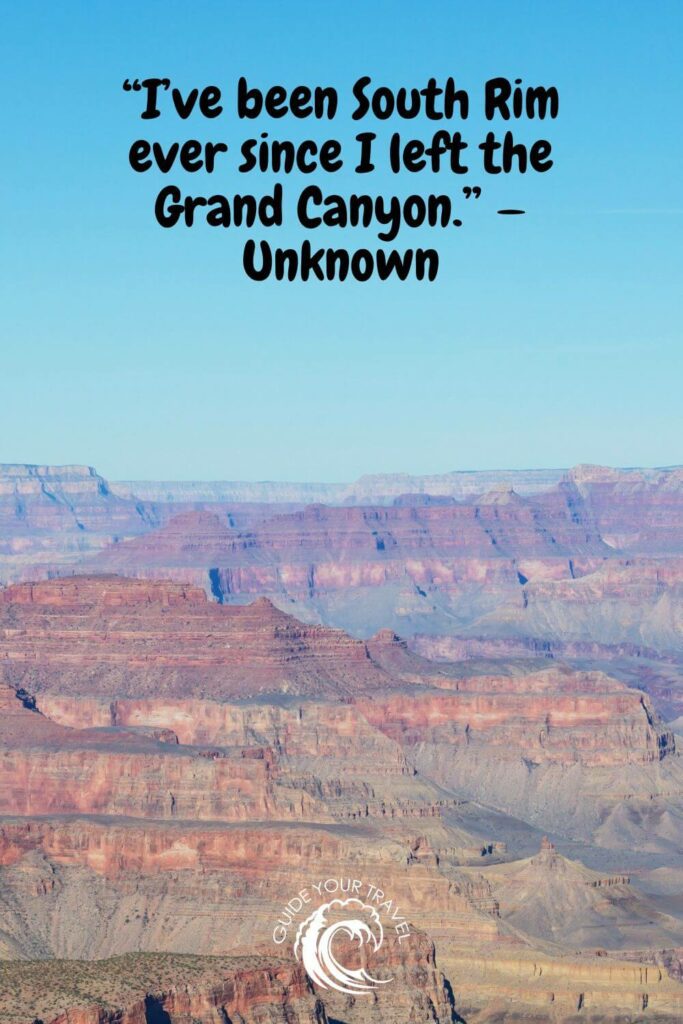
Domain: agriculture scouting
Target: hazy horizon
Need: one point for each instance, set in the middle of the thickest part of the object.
(413, 473)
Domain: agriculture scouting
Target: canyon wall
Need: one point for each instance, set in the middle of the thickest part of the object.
(377, 488)
(187, 738)
(591, 556)
(174, 706)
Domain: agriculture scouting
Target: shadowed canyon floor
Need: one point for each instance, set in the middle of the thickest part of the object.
(180, 755)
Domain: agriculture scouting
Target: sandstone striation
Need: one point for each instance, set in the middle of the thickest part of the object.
(559, 900)
(157, 988)
(125, 665)
(176, 763)
(173, 989)
(593, 559)
(590, 556)
(138, 880)
(379, 488)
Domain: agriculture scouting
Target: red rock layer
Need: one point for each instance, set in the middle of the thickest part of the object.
(177, 867)
(47, 768)
(255, 991)
(608, 726)
(144, 645)
(123, 628)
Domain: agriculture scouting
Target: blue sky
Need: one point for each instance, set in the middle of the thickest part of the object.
(547, 340)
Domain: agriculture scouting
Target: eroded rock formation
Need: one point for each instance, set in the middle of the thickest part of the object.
(173, 770)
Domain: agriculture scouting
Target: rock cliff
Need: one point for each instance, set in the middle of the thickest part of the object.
(174, 706)
(589, 556)
(157, 989)
(176, 763)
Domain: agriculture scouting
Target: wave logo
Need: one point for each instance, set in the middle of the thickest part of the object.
(316, 937)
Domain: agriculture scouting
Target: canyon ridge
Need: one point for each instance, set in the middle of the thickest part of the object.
(466, 690)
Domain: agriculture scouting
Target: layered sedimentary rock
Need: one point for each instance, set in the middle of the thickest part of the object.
(596, 559)
(535, 989)
(46, 500)
(174, 770)
(56, 515)
(660, 674)
(168, 989)
(61, 514)
(178, 886)
(344, 725)
(560, 532)
(379, 488)
(173, 989)
(624, 600)
(309, 770)
(120, 639)
(547, 525)
(144, 891)
(254, 990)
(160, 639)
(559, 900)
(176, 763)
(574, 752)
(592, 556)
(638, 511)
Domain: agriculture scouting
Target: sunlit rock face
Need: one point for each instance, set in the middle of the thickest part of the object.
(180, 754)
(555, 562)
(151, 701)
(161, 988)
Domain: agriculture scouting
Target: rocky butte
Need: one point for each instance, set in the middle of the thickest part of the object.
(584, 565)
(173, 770)
(587, 568)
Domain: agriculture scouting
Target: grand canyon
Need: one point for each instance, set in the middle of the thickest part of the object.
(464, 689)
